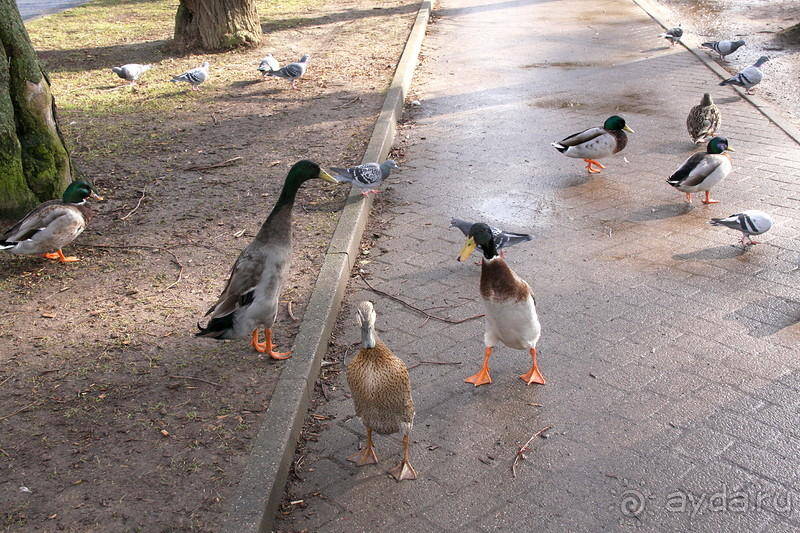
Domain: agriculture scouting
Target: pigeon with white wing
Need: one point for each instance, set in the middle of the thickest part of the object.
(292, 71)
(194, 77)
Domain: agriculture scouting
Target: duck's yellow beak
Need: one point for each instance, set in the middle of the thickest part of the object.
(327, 177)
(627, 128)
(467, 249)
(96, 196)
(729, 149)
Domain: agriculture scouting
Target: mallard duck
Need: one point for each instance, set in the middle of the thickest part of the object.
(381, 392)
(365, 176)
(52, 225)
(748, 77)
(704, 170)
(250, 297)
(750, 222)
(292, 71)
(596, 143)
(510, 308)
(502, 239)
(724, 48)
(673, 35)
(704, 120)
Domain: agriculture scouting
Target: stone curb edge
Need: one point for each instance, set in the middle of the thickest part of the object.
(692, 44)
(258, 495)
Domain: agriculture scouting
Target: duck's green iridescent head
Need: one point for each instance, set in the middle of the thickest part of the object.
(78, 191)
(480, 235)
(718, 145)
(305, 170)
(615, 123)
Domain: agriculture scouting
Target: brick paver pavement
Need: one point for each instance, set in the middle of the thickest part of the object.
(673, 377)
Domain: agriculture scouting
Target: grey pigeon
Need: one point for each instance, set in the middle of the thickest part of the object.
(365, 176)
(292, 71)
(502, 239)
(749, 76)
(194, 77)
(704, 120)
(724, 48)
(267, 65)
(751, 222)
(131, 71)
(673, 35)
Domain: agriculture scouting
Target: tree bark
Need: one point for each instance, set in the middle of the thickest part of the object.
(34, 163)
(214, 25)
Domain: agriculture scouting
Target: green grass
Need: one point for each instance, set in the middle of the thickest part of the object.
(100, 114)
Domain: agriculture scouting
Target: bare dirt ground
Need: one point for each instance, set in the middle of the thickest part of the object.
(113, 415)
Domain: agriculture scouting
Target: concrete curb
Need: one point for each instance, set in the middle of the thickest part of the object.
(692, 44)
(256, 499)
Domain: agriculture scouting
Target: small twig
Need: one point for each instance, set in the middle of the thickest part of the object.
(18, 411)
(196, 379)
(521, 452)
(4, 381)
(354, 100)
(137, 204)
(146, 247)
(289, 311)
(226, 163)
(428, 316)
(435, 363)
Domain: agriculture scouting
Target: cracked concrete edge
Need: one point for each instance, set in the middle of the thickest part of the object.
(693, 45)
(257, 497)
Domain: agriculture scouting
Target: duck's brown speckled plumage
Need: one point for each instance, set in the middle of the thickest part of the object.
(381, 391)
(704, 120)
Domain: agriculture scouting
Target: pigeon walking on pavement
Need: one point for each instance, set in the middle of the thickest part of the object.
(673, 35)
(194, 77)
(750, 222)
(724, 48)
(704, 120)
(292, 71)
(131, 71)
(748, 77)
(365, 176)
(267, 65)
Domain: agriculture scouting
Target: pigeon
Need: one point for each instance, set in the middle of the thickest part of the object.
(365, 176)
(194, 77)
(131, 71)
(750, 222)
(267, 65)
(749, 77)
(292, 71)
(673, 35)
(502, 239)
(724, 48)
(704, 120)
(701, 171)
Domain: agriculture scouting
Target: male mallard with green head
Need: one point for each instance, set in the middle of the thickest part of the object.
(703, 170)
(52, 225)
(381, 392)
(596, 143)
(250, 297)
(510, 308)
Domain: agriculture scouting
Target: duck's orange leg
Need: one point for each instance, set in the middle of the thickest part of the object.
(482, 377)
(367, 455)
(267, 346)
(61, 257)
(708, 200)
(404, 470)
(534, 376)
(590, 162)
(689, 197)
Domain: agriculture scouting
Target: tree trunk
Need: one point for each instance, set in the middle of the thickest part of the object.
(34, 163)
(215, 25)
